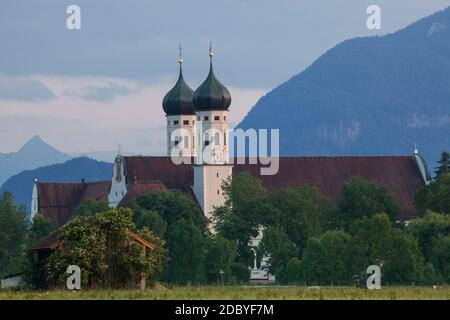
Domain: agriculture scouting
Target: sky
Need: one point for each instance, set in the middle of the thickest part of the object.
(95, 88)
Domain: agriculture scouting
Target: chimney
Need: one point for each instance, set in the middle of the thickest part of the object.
(83, 180)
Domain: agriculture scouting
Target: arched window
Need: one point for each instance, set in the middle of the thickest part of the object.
(217, 139)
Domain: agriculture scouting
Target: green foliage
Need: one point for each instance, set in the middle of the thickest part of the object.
(97, 244)
(440, 257)
(220, 256)
(361, 198)
(371, 240)
(302, 213)
(186, 245)
(405, 262)
(435, 196)
(40, 227)
(13, 235)
(292, 273)
(326, 259)
(427, 229)
(444, 164)
(172, 205)
(240, 272)
(280, 249)
(150, 219)
(91, 207)
(240, 216)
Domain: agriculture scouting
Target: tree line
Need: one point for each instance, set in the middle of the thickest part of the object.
(308, 238)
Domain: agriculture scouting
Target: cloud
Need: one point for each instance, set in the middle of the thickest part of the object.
(75, 125)
(24, 89)
(104, 93)
(267, 42)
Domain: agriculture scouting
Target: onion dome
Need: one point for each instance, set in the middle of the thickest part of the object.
(211, 95)
(178, 100)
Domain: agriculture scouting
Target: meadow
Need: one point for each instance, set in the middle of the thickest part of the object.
(238, 293)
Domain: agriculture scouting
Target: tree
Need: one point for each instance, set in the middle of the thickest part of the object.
(303, 213)
(150, 219)
(361, 198)
(427, 229)
(371, 237)
(91, 207)
(242, 213)
(186, 245)
(279, 248)
(326, 259)
(404, 263)
(435, 196)
(220, 256)
(440, 257)
(293, 272)
(171, 205)
(13, 229)
(444, 164)
(40, 227)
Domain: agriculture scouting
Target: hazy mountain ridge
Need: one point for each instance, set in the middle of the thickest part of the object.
(74, 170)
(33, 154)
(367, 96)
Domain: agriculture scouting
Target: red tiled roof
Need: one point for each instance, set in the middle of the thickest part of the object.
(47, 243)
(58, 200)
(139, 188)
(159, 169)
(398, 173)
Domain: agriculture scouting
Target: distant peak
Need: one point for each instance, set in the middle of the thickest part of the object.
(35, 142)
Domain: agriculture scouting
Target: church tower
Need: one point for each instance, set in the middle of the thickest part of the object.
(180, 115)
(211, 102)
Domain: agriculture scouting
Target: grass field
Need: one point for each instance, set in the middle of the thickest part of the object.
(238, 293)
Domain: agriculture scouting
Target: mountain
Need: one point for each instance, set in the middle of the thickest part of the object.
(34, 154)
(21, 185)
(367, 96)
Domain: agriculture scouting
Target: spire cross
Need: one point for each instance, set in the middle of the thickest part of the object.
(180, 60)
(210, 52)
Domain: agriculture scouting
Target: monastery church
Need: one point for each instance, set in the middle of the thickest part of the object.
(209, 106)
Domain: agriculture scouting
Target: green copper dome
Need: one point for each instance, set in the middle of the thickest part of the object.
(211, 95)
(178, 100)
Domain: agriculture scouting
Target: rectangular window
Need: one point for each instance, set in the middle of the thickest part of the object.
(186, 122)
(175, 122)
(206, 143)
(216, 118)
(206, 118)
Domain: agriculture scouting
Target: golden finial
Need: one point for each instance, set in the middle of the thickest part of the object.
(180, 59)
(210, 52)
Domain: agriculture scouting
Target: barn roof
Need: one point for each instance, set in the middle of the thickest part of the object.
(57, 201)
(51, 241)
